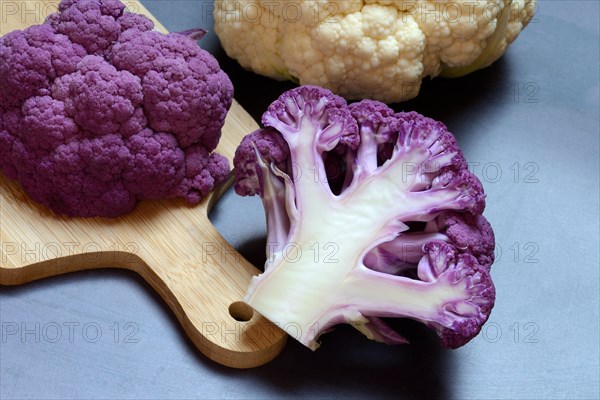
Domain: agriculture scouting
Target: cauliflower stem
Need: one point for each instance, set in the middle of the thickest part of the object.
(329, 254)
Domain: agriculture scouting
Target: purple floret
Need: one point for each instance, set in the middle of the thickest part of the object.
(59, 181)
(185, 91)
(392, 195)
(471, 233)
(9, 120)
(101, 99)
(328, 112)
(30, 60)
(98, 111)
(188, 100)
(461, 320)
(135, 21)
(203, 170)
(91, 24)
(272, 149)
(141, 53)
(156, 165)
(46, 124)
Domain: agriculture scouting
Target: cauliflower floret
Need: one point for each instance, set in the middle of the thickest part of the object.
(31, 60)
(379, 49)
(97, 111)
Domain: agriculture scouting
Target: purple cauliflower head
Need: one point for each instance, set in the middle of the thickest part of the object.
(371, 214)
(98, 111)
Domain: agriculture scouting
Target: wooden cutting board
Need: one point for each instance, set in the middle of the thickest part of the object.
(173, 246)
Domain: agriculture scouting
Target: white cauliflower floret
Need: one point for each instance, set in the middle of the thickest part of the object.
(379, 49)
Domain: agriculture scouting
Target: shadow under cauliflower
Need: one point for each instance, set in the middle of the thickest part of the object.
(98, 111)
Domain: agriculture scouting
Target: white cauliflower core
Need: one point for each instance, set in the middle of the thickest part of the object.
(378, 49)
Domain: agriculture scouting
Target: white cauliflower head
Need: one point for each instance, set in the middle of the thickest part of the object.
(378, 49)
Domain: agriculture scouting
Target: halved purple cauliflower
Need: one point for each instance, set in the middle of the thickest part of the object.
(371, 214)
(97, 111)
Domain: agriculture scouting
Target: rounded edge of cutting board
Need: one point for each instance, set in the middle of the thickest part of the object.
(257, 340)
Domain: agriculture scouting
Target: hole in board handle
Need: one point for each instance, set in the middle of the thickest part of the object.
(241, 311)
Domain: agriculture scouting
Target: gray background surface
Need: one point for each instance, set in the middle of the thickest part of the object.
(535, 112)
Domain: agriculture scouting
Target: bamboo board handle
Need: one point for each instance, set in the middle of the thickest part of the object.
(173, 246)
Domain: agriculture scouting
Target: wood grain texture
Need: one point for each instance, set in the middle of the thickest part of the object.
(173, 246)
